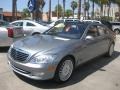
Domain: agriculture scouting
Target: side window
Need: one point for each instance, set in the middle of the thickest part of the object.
(92, 31)
(102, 30)
(30, 24)
(18, 24)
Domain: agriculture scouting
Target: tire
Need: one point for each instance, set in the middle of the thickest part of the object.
(64, 70)
(111, 50)
(117, 31)
(36, 33)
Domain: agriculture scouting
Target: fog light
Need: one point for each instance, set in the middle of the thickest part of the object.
(39, 74)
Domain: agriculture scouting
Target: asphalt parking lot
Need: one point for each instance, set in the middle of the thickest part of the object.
(102, 73)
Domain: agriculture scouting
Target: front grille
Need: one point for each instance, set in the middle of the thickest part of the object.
(18, 55)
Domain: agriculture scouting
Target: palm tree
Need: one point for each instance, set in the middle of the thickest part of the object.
(73, 6)
(39, 9)
(64, 8)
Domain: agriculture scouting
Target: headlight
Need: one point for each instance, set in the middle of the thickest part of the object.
(43, 59)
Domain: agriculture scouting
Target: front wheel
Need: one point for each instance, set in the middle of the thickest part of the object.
(64, 70)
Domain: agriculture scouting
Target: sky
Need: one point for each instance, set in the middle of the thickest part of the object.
(21, 4)
(7, 4)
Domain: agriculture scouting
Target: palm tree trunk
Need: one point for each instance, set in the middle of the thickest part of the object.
(119, 12)
(14, 9)
(109, 10)
(84, 10)
(101, 11)
(58, 10)
(104, 10)
(79, 8)
(93, 5)
(73, 13)
(88, 11)
(64, 8)
(49, 17)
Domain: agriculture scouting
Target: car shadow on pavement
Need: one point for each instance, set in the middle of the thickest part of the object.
(79, 74)
(4, 49)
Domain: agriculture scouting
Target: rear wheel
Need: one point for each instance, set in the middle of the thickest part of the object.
(111, 50)
(64, 70)
(117, 31)
(36, 33)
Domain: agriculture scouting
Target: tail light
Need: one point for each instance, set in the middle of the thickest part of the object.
(10, 32)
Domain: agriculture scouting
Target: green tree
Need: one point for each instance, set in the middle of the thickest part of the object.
(68, 13)
(25, 13)
(59, 10)
(73, 6)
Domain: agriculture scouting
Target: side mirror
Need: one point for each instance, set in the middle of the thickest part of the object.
(89, 37)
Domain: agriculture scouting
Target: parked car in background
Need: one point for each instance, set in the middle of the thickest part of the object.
(9, 34)
(116, 27)
(4, 39)
(61, 49)
(31, 27)
(105, 22)
(95, 21)
(63, 20)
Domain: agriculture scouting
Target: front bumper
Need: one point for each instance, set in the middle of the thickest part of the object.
(33, 71)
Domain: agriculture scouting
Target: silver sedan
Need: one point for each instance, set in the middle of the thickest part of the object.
(57, 52)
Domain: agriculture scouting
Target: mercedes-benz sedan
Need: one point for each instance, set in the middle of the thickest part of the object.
(57, 52)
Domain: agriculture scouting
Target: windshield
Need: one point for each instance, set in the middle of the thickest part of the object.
(67, 30)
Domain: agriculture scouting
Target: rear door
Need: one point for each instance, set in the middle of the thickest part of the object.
(103, 38)
(90, 47)
(29, 27)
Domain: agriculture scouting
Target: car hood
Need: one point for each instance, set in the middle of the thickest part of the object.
(42, 43)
